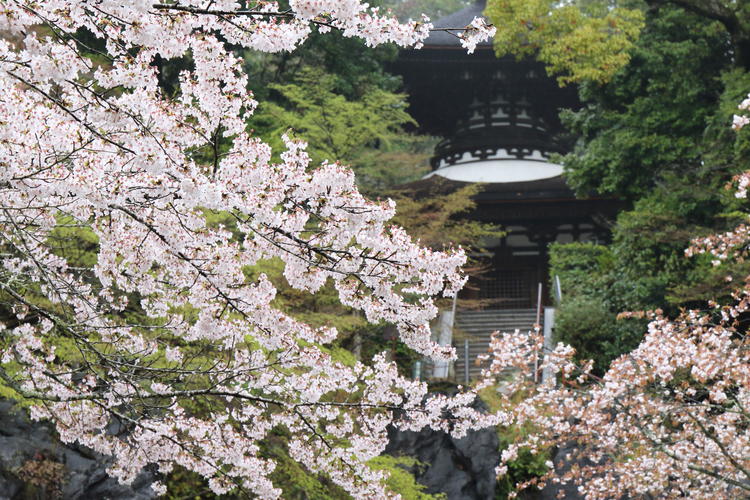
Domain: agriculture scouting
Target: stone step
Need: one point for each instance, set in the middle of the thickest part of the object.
(478, 327)
(487, 331)
(475, 319)
(497, 317)
(498, 321)
(490, 319)
(496, 325)
(490, 327)
(497, 311)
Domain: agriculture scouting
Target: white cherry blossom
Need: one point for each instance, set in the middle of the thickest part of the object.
(98, 146)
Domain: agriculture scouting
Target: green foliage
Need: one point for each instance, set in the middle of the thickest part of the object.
(366, 132)
(587, 316)
(78, 244)
(336, 127)
(401, 480)
(582, 267)
(725, 148)
(524, 468)
(658, 94)
(649, 244)
(577, 41)
(527, 465)
(355, 67)
(405, 158)
(651, 117)
(587, 324)
(75, 242)
(297, 483)
(183, 484)
(650, 241)
(658, 135)
(434, 217)
(644, 268)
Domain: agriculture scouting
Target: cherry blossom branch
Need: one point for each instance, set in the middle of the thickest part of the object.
(284, 14)
(219, 12)
(167, 312)
(57, 103)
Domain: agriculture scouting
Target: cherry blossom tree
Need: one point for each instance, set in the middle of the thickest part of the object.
(669, 419)
(89, 141)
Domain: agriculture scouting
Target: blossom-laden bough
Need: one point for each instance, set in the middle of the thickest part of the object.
(166, 320)
(670, 419)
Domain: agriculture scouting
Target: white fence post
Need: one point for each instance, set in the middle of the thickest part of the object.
(549, 324)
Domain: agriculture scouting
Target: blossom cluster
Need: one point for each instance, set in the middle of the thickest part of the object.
(739, 121)
(670, 419)
(168, 315)
(477, 31)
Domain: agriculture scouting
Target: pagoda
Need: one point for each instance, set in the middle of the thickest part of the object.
(499, 120)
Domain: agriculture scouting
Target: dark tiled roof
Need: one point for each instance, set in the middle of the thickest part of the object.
(458, 19)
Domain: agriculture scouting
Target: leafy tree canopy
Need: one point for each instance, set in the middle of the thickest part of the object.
(656, 134)
(587, 40)
(336, 127)
(652, 116)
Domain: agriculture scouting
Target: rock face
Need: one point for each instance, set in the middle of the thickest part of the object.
(463, 469)
(33, 464)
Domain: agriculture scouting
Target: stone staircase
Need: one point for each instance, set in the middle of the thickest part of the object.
(476, 327)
